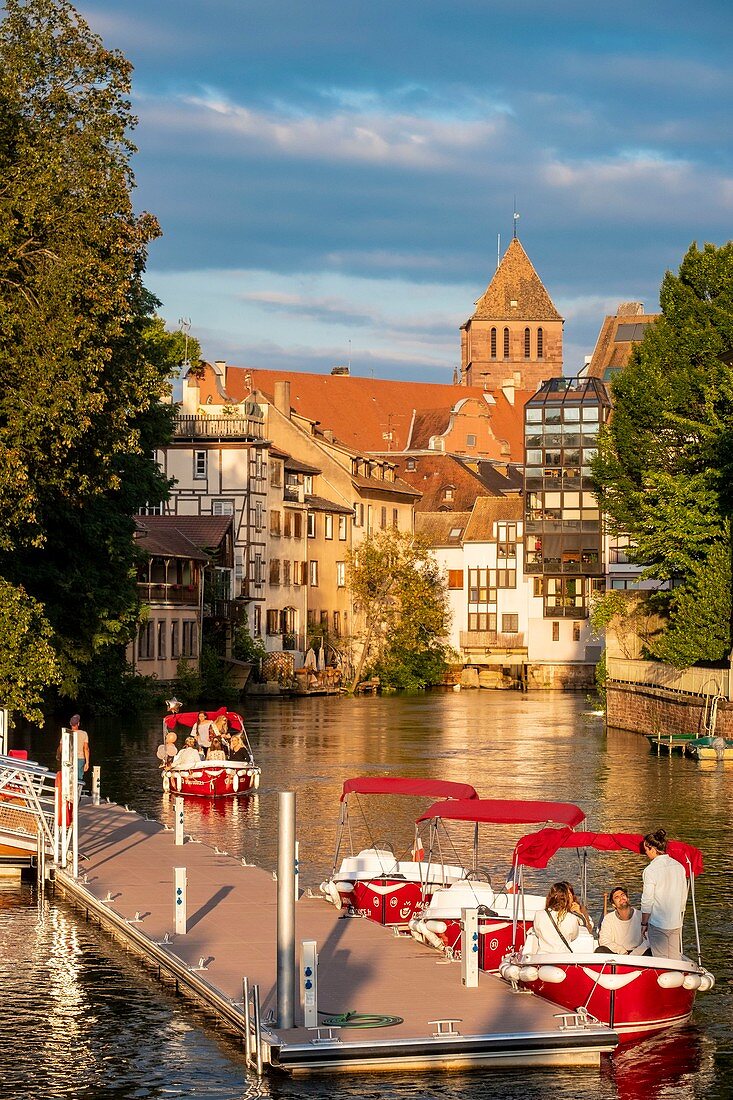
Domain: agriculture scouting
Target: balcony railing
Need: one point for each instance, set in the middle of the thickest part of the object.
(218, 609)
(178, 594)
(217, 427)
(490, 639)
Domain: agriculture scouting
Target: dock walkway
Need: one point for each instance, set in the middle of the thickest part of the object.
(126, 881)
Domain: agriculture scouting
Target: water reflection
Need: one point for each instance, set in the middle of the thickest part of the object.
(506, 745)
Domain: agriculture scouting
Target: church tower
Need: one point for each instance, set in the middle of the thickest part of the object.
(515, 332)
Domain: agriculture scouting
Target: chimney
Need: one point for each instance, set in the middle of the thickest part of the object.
(342, 370)
(507, 388)
(220, 369)
(191, 397)
(282, 397)
(328, 435)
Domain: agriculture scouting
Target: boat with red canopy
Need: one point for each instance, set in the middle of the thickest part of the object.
(635, 994)
(211, 778)
(374, 882)
(439, 921)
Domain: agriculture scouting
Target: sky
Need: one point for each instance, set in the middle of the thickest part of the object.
(331, 178)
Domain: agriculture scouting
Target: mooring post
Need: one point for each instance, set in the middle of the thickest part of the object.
(180, 899)
(247, 1035)
(309, 982)
(469, 948)
(178, 814)
(286, 910)
(96, 776)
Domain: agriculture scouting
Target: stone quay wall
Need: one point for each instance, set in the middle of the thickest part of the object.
(653, 710)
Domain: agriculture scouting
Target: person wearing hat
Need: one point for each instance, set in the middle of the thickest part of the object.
(188, 756)
(82, 751)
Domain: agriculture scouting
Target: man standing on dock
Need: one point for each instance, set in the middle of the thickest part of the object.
(82, 752)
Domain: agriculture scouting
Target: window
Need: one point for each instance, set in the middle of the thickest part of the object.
(311, 618)
(527, 347)
(539, 586)
(190, 638)
(199, 465)
(274, 571)
(337, 624)
(313, 574)
(506, 578)
(161, 639)
(493, 343)
(506, 343)
(286, 572)
(556, 632)
(509, 624)
(145, 649)
(275, 522)
(308, 484)
(482, 620)
(275, 475)
(273, 621)
(287, 524)
(259, 571)
(383, 518)
(343, 528)
(470, 440)
(356, 513)
(175, 640)
(328, 526)
(304, 572)
(311, 525)
(576, 632)
(149, 509)
(449, 492)
(395, 518)
(324, 620)
(222, 508)
(455, 579)
(540, 344)
(341, 574)
(297, 525)
(259, 516)
(369, 519)
(506, 534)
(257, 621)
(411, 464)
(482, 586)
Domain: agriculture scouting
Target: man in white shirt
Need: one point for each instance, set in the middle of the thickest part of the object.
(620, 931)
(663, 899)
(189, 756)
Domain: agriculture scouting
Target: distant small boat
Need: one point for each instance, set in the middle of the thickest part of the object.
(710, 748)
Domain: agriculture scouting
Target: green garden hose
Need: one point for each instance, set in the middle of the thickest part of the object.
(361, 1019)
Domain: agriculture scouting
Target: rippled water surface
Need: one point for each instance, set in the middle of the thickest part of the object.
(80, 1018)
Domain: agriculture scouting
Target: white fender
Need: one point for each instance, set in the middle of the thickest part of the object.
(344, 887)
(692, 981)
(670, 979)
(707, 981)
(552, 974)
(436, 925)
(416, 930)
(430, 937)
(235, 782)
(529, 973)
(333, 894)
(166, 782)
(511, 973)
(256, 780)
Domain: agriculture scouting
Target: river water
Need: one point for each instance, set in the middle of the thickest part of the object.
(82, 1019)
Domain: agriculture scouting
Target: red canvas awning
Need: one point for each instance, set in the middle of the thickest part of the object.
(537, 849)
(498, 811)
(189, 718)
(392, 784)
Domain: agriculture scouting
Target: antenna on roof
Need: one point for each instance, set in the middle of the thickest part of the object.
(516, 217)
(349, 355)
(185, 323)
(498, 250)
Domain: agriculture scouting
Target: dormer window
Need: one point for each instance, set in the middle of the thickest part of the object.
(449, 492)
(411, 464)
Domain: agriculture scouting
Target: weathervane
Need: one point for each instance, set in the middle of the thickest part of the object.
(516, 217)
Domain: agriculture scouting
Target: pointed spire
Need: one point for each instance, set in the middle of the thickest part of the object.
(516, 291)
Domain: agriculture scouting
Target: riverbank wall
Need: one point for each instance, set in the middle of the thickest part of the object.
(650, 698)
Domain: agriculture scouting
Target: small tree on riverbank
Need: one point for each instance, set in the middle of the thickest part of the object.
(402, 601)
(664, 461)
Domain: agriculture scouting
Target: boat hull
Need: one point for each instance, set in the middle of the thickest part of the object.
(387, 901)
(496, 939)
(224, 780)
(637, 999)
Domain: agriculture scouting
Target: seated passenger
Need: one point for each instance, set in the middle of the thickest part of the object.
(559, 923)
(238, 752)
(216, 752)
(189, 755)
(621, 932)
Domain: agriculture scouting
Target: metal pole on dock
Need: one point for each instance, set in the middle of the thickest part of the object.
(245, 1010)
(4, 718)
(180, 899)
(65, 795)
(178, 814)
(286, 910)
(96, 775)
(75, 744)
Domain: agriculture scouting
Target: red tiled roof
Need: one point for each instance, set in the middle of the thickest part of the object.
(516, 281)
(433, 473)
(181, 536)
(436, 527)
(489, 510)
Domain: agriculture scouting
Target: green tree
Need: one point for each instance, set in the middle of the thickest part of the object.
(27, 660)
(662, 470)
(399, 592)
(83, 364)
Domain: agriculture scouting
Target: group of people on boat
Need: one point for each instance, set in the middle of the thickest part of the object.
(653, 929)
(210, 739)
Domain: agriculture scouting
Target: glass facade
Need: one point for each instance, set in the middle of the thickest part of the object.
(563, 523)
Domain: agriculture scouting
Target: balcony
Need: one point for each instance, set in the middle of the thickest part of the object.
(491, 639)
(217, 427)
(177, 594)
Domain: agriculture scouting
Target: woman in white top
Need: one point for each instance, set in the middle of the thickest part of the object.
(663, 898)
(558, 924)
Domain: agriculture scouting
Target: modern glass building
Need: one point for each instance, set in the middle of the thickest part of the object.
(563, 544)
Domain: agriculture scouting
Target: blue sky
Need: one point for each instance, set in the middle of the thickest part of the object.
(331, 177)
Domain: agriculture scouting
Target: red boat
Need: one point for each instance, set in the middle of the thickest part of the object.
(438, 922)
(636, 995)
(212, 778)
(375, 883)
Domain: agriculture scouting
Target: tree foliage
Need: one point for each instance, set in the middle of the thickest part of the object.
(664, 462)
(83, 364)
(27, 660)
(400, 595)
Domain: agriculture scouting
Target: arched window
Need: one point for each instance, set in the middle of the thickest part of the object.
(540, 344)
(493, 343)
(527, 348)
(506, 343)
